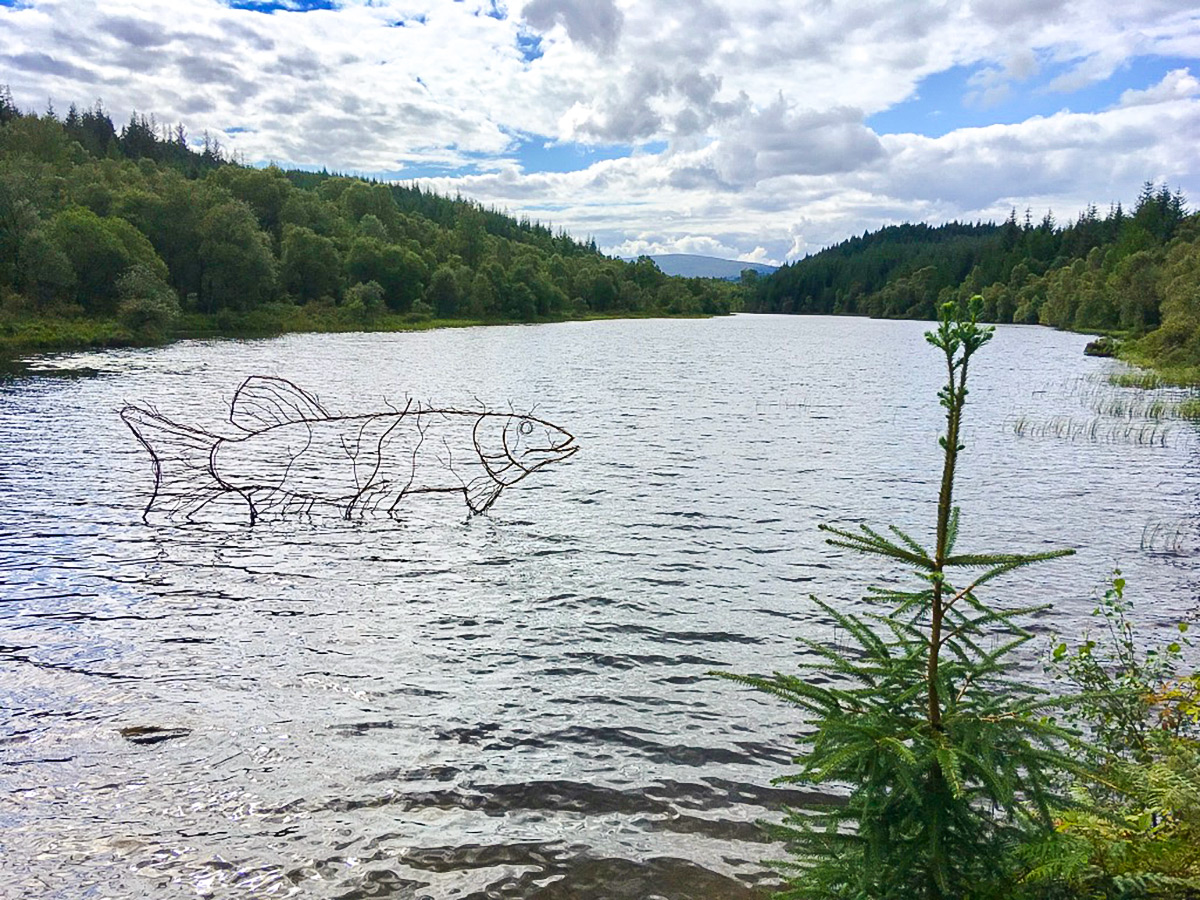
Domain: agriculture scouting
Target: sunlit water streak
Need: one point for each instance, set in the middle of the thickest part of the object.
(518, 705)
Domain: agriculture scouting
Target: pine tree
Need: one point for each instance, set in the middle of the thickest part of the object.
(8, 107)
(944, 760)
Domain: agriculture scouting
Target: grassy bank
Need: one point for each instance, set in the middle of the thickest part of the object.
(22, 336)
(1158, 373)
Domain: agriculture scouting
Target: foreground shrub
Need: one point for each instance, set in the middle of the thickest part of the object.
(1135, 829)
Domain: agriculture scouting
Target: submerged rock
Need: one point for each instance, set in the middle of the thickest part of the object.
(152, 734)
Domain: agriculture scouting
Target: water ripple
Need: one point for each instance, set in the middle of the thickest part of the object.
(520, 705)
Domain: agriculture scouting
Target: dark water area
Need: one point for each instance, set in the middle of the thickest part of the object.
(423, 706)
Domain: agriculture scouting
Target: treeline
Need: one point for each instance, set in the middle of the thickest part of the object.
(1130, 272)
(139, 226)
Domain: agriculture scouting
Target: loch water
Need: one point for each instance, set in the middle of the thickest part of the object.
(428, 705)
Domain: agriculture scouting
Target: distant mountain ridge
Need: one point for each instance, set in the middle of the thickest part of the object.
(690, 265)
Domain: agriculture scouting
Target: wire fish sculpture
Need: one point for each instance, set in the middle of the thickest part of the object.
(293, 454)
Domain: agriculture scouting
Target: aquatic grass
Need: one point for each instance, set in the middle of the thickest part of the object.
(1166, 537)
(1154, 408)
(1150, 433)
(1146, 396)
(1179, 377)
(1146, 381)
(1130, 408)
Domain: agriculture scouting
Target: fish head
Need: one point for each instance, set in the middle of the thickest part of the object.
(531, 443)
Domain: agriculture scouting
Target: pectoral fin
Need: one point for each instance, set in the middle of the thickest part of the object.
(264, 401)
(481, 493)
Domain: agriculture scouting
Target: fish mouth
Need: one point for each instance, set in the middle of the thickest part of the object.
(562, 450)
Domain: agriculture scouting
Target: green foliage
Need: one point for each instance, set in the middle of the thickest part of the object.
(263, 190)
(81, 202)
(311, 267)
(1134, 273)
(99, 250)
(401, 272)
(444, 293)
(934, 757)
(238, 267)
(148, 306)
(365, 300)
(1176, 342)
(44, 272)
(1139, 840)
(1135, 829)
(420, 312)
(1121, 685)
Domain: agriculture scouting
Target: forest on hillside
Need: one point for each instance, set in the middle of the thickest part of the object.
(141, 229)
(1136, 273)
(114, 236)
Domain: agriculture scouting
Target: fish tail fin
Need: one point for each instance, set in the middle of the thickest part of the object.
(184, 479)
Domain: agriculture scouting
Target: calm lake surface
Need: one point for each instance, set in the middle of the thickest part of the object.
(515, 706)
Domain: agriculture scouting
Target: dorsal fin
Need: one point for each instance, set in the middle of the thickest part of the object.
(264, 401)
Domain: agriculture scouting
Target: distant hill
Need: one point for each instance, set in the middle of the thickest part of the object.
(692, 266)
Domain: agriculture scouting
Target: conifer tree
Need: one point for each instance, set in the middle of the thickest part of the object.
(935, 757)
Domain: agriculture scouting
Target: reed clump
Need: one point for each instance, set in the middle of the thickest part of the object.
(1146, 381)
(1151, 433)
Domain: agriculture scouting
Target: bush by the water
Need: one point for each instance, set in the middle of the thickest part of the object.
(148, 306)
(1102, 346)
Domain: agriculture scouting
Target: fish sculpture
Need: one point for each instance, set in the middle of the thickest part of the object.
(293, 454)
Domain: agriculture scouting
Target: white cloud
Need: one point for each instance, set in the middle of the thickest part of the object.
(761, 104)
(592, 23)
(1061, 162)
(1178, 84)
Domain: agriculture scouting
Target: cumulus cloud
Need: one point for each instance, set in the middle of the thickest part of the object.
(136, 32)
(781, 140)
(44, 64)
(1178, 84)
(592, 23)
(1061, 162)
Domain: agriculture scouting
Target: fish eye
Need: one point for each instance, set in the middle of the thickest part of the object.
(526, 428)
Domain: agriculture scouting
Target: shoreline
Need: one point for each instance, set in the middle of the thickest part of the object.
(24, 340)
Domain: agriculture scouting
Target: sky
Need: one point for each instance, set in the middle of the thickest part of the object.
(760, 130)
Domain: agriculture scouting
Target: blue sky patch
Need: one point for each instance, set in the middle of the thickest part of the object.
(956, 98)
(270, 6)
(439, 170)
(540, 154)
(530, 45)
